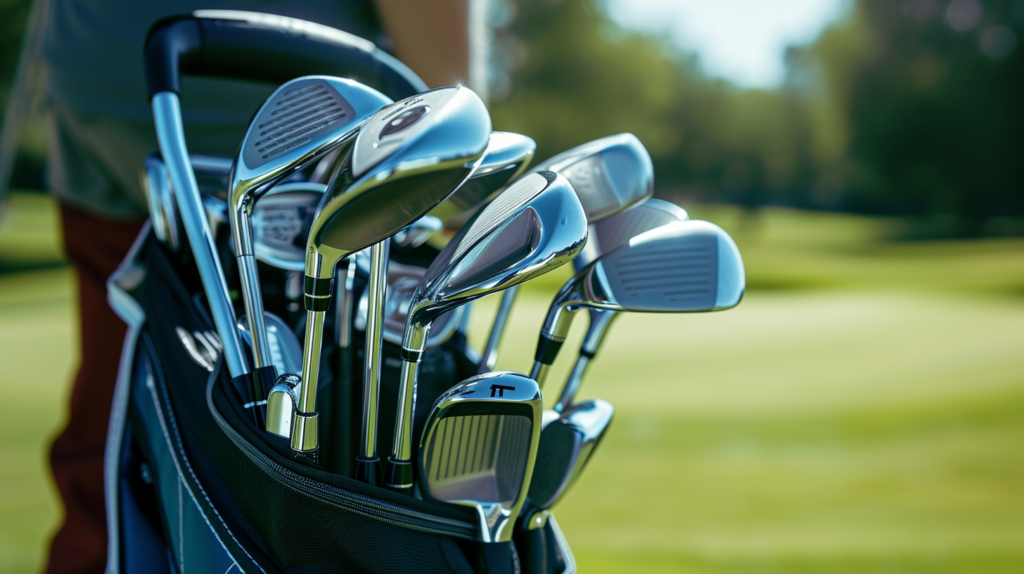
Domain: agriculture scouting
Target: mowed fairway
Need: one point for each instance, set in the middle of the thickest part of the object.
(861, 411)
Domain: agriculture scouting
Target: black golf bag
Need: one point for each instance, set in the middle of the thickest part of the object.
(192, 485)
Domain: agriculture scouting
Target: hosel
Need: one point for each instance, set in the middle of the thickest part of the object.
(304, 425)
(400, 475)
(552, 336)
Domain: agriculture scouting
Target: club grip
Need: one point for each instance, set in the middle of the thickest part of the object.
(266, 48)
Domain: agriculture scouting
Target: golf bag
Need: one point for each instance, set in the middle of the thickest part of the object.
(192, 484)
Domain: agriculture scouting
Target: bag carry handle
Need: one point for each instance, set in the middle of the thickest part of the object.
(266, 48)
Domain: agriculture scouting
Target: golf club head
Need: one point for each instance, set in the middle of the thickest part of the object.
(280, 224)
(609, 174)
(534, 226)
(402, 283)
(211, 175)
(683, 267)
(407, 158)
(417, 234)
(285, 349)
(300, 122)
(566, 444)
(507, 157)
(617, 230)
(478, 448)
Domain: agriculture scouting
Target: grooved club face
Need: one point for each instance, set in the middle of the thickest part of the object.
(617, 230)
(534, 226)
(299, 123)
(609, 174)
(479, 445)
(690, 266)
(406, 159)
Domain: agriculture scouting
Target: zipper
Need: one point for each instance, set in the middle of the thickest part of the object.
(346, 500)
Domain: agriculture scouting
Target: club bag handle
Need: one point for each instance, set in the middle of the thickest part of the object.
(266, 48)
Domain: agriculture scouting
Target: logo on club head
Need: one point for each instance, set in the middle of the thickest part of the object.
(499, 390)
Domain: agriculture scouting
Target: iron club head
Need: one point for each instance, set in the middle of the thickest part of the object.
(606, 235)
(479, 446)
(406, 159)
(566, 444)
(507, 157)
(609, 175)
(683, 267)
(534, 226)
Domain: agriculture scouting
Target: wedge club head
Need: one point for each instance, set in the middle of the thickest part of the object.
(299, 123)
(479, 446)
(534, 226)
(683, 267)
(407, 158)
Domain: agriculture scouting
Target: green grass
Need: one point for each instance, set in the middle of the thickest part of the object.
(861, 411)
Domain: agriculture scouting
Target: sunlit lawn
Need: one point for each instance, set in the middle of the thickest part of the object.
(861, 411)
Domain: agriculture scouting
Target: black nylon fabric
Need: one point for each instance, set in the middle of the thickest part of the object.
(281, 529)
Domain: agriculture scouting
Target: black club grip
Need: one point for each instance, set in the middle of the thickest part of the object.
(266, 48)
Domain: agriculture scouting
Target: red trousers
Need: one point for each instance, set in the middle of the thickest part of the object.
(95, 247)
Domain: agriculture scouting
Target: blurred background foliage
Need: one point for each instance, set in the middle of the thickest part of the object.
(903, 107)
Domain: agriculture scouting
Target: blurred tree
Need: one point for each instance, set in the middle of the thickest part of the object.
(904, 107)
(576, 76)
(924, 98)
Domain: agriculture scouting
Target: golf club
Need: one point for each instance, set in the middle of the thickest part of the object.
(406, 159)
(479, 446)
(402, 283)
(683, 267)
(566, 444)
(507, 157)
(420, 230)
(534, 226)
(609, 175)
(606, 235)
(299, 123)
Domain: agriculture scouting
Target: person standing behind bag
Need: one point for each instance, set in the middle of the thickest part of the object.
(100, 129)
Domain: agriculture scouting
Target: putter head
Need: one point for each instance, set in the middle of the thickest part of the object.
(534, 226)
(609, 174)
(407, 158)
(507, 157)
(566, 444)
(617, 230)
(478, 448)
(683, 267)
(299, 123)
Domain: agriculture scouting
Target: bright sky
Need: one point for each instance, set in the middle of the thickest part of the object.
(742, 41)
